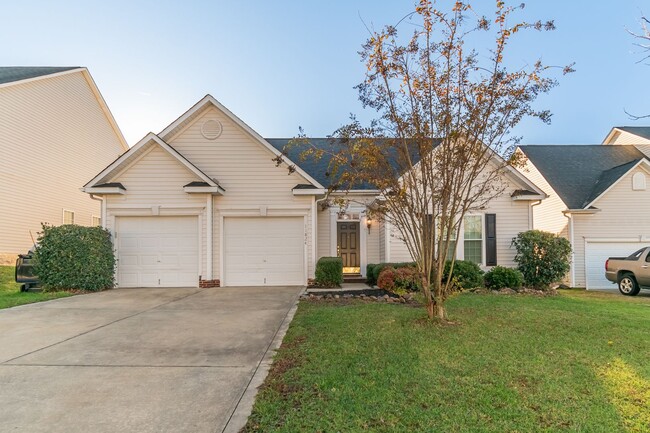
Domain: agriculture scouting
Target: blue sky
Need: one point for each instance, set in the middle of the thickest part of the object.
(282, 64)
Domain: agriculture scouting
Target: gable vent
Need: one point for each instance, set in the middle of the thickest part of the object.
(211, 129)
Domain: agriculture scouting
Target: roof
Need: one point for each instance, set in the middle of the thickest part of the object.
(641, 131)
(9, 74)
(581, 173)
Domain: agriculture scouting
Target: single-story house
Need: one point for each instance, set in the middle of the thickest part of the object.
(202, 203)
(56, 131)
(597, 198)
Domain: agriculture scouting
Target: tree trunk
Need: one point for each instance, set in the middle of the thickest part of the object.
(438, 312)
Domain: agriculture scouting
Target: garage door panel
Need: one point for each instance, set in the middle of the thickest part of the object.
(597, 253)
(157, 251)
(264, 251)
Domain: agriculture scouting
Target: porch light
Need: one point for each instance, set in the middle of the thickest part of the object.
(368, 223)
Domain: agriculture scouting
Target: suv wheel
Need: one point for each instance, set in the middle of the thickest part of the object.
(627, 285)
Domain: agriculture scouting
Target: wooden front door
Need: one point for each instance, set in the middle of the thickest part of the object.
(348, 245)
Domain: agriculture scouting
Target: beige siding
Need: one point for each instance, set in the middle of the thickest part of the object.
(54, 137)
(382, 241)
(622, 216)
(244, 168)
(547, 215)
(323, 241)
(644, 148)
(623, 137)
(372, 242)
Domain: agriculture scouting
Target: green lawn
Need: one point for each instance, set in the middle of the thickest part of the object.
(575, 362)
(10, 294)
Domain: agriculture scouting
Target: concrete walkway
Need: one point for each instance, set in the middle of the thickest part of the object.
(139, 360)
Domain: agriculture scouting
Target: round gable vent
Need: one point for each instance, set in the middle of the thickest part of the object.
(211, 129)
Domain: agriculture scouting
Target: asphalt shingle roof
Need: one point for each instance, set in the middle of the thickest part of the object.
(580, 173)
(10, 74)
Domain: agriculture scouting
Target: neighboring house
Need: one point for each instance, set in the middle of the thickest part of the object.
(598, 198)
(55, 132)
(203, 203)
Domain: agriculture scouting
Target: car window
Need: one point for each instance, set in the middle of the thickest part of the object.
(635, 255)
(647, 258)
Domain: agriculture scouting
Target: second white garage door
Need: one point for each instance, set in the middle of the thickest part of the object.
(264, 251)
(597, 253)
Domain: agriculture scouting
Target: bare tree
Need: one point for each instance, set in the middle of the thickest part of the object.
(643, 42)
(441, 142)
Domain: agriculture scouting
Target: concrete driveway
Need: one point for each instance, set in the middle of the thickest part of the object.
(139, 360)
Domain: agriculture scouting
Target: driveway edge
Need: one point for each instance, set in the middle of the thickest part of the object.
(244, 407)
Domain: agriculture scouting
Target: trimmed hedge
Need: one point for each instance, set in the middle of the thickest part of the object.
(400, 281)
(74, 257)
(329, 271)
(500, 277)
(466, 274)
(370, 276)
(542, 257)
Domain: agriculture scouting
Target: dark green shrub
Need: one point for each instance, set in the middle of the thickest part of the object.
(74, 257)
(378, 268)
(542, 257)
(466, 274)
(329, 271)
(500, 277)
(370, 276)
(399, 281)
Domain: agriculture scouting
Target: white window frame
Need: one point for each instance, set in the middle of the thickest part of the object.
(460, 239)
(92, 221)
(63, 216)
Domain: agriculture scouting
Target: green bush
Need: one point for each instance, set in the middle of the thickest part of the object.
(329, 271)
(500, 277)
(466, 274)
(399, 281)
(370, 276)
(542, 257)
(74, 257)
(378, 268)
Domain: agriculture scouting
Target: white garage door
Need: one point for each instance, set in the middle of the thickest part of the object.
(157, 251)
(597, 253)
(264, 251)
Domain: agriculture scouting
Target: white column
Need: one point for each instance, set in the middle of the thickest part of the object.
(363, 244)
(209, 239)
(314, 235)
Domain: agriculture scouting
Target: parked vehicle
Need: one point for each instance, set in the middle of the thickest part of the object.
(25, 271)
(631, 273)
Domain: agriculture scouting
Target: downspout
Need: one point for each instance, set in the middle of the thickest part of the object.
(531, 216)
(103, 208)
(569, 216)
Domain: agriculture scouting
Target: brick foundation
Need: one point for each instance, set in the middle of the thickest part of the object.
(207, 284)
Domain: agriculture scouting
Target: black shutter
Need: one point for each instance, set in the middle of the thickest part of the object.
(490, 239)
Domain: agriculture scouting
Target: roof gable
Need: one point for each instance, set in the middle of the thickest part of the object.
(581, 173)
(138, 150)
(628, 135)
(195, 111)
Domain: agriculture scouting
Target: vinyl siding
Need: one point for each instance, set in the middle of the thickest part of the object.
(54, 137)
(382, 241)
(547, 215)
(323, 241)
(624, 137)
(623, 215)
(244, 168)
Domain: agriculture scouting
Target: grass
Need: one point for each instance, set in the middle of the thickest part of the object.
(10, 294)
(573, 362)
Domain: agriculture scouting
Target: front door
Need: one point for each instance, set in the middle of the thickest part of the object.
(348, 246)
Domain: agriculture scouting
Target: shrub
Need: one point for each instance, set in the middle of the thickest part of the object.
(378, 268)
(399, 281)
(74, 257)
(500, 277)
(329, 271)
(542, 257)
(466, 274)
(370, 276)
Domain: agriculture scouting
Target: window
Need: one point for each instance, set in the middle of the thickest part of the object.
(68, 217)
(473, 238)
(451, 249)
(95, 221)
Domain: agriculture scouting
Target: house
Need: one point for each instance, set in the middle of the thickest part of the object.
(55, 132)
(203, 203)
(598, 198)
